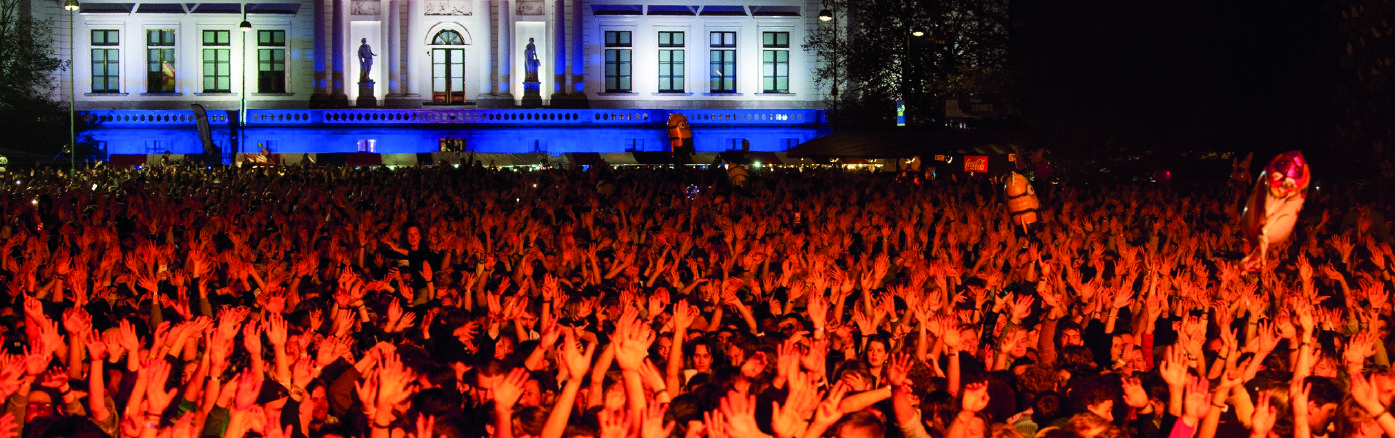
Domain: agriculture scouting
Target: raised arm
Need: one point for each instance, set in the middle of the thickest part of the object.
(577, 364)
(683, 316)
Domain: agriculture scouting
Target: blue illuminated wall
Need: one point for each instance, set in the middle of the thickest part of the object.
(486, 131)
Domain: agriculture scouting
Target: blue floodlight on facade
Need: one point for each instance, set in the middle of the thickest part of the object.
(302, 84)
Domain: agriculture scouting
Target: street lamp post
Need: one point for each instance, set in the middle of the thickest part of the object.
(72, 6)
(826, 15)
(245, 26)
(906, 69)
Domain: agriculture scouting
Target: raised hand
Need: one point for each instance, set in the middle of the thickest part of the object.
(633, 338)
(952, 338)
(1173, 369)
(1022, 308)
(683, 315)
(818, 309)
(615, 424)
(367, 390)
(1361, 346)
(8, 427)
(96, 346)
(814, 360)
(651, 423)
(577, 362)
(276, 330)
(301, 372)
(1364, 391)
(1197, 401)
(510, 389)
(252, 339)
(332, 349)
(248, 388)
(863, 322)
(155, 393)
(1265, 415)
(394, 381)
(76, 321)
(828, 412)
(33, 308)
(36, 361)
(1267, 338)
(426, 426)
(898, 374)
(739, 410)
(49, 335)
(790, 420)
(56, 378)
(975, 397)
(1134, 394)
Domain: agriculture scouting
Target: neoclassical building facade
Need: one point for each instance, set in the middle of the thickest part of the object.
(450, 54)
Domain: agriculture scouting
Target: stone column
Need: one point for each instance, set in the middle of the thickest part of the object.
(394, 47)
(481, 46)
(338, 97)
(505, 49)
(415, 51)
(559, 59)
(321, 61)
(578, 82)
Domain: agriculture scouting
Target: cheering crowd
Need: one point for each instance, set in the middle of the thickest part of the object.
(470, 302)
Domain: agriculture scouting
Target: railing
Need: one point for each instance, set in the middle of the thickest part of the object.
(505, 117)
(492, 116)
(127, 118)
(751, 116)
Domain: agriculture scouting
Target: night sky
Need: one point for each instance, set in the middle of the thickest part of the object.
(1105, 76)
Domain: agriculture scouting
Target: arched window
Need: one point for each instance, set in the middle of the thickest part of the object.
(448, 68)
(447, 38)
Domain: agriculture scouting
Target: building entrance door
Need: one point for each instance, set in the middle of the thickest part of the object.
(447, 68)
(448, 76)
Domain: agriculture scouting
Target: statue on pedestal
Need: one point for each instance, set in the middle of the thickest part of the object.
(366, 95)
(531, 64)
(365, 61)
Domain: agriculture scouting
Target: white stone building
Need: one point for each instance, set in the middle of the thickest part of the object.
(451, 54)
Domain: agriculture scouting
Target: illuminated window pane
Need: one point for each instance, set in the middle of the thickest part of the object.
(217, 71)
(723, 71)
(106, 61)
(617, 38)
(159, 58)
(617, 61)
(722, 59)
(775, 68)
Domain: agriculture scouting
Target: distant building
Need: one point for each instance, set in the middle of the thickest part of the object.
(166, 55)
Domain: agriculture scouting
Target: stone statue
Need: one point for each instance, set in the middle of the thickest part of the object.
(365, 61)
(531, 64)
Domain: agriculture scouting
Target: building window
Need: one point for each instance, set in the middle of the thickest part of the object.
(271, 61)
(671, 62)
(448, 69)
(159, 57)
(217, 61)
(106, 61)
(723, 51)
(447, 38)
(617, 61)
(775, 62)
